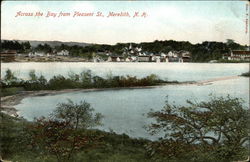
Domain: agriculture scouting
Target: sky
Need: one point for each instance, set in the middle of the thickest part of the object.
(192, 21)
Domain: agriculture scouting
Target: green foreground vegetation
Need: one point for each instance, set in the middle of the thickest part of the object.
(85, 80)
(215, 130)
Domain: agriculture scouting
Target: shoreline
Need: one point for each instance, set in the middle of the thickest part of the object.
(8, 103)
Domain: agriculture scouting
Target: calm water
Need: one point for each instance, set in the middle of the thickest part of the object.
(125, 110)
(170, 71)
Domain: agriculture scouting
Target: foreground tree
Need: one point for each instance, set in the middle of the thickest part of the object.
(78, 115)
(64, 133)
(218, 125)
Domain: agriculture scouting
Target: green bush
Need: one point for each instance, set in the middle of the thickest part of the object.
(86, 79)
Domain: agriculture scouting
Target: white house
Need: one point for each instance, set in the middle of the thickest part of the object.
(34, 54)
(133, 58)
(157, 59)
(163, 55)
(172, 54)
(115, 59)
(31, 54)
(138, 49)
(63, 53)
(128, 59)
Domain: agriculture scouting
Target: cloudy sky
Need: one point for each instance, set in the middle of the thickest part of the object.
(177, 20)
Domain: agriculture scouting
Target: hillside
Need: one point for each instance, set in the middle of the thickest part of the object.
(35, 43)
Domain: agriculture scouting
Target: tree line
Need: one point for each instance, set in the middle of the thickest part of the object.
(201, 52)
(11, 84)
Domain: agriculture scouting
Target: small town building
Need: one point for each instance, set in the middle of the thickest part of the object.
(97, 59)
(31, 54)
(63, 53)
(175, 59)
(172, 54)
(186, 58)
(116, 59)
(133, 58)
(143, 58)
(164, 59)
(239, 55)
(128, 59)
(36, 54)
(8, 56)
(155, 58)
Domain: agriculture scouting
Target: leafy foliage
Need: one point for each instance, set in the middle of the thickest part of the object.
(44, 47)
(61, 135)
(86, 79)
(219, 125)
(15, 45)
(77, 115)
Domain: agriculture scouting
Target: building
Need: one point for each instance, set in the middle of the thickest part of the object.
(175, 59)
(97, 59)
(186, 59)
(226, 56)
(186, 56)
(172, 54)
(63, 53)
(116, 59)
(155, 58)
(133, 58)
(179, 56)
(239, 55)
(143, 58)
(128, 59)
(8, 56)
(35, 54)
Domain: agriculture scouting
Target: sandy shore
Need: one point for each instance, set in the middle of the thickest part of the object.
(8, 102)
(209, 81)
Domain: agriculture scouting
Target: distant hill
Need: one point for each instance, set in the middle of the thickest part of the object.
(34, 43)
